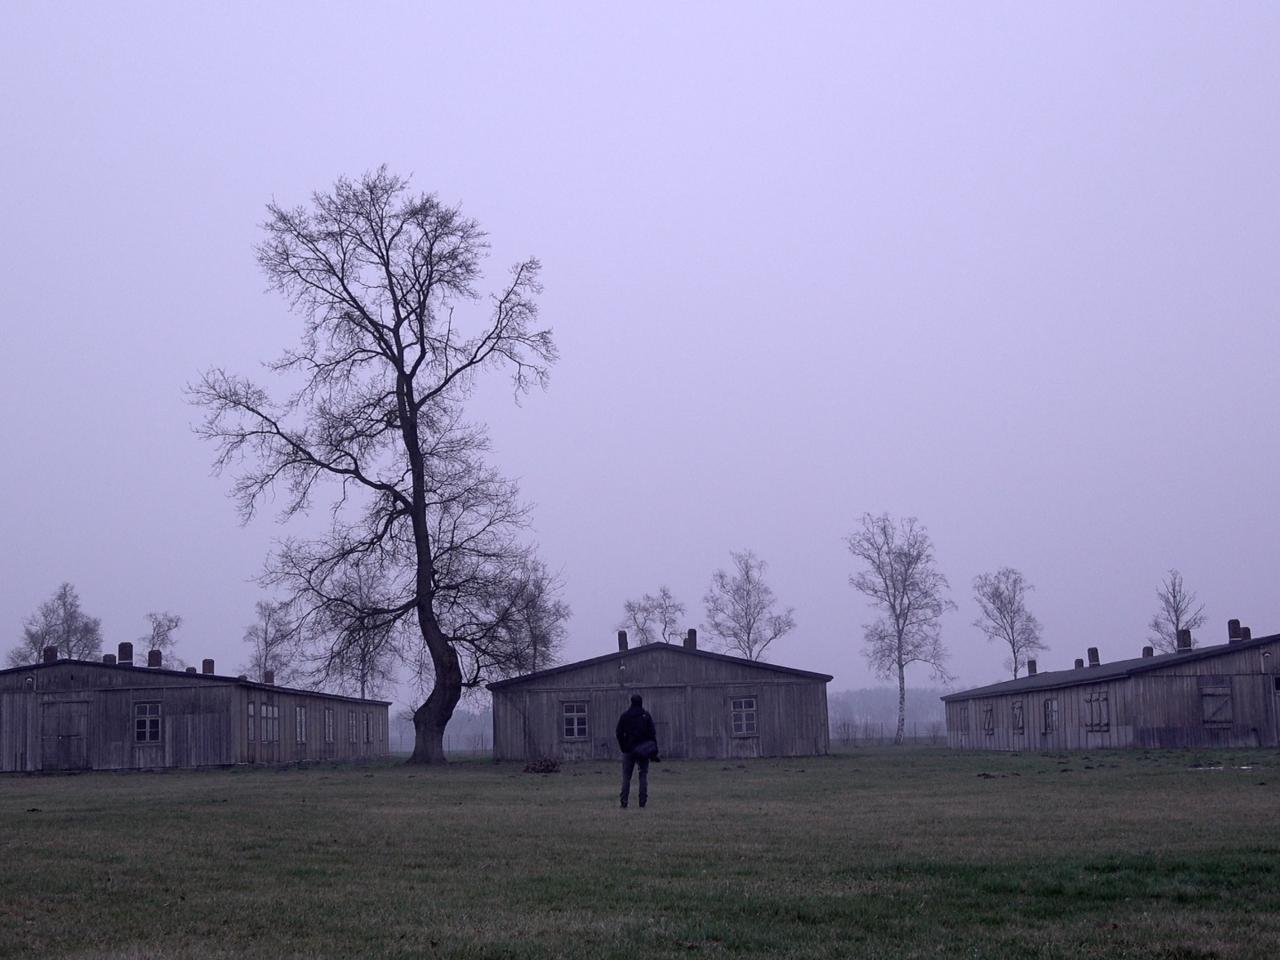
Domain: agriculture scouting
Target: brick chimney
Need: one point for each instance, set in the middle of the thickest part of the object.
(1079, 664)
(1148, 652)
(1233, 631)
(691, 639)
(1246, 633)
(50, 655)
(1031, 668)
(191, 669)
(155, 659)
(109, 659)
(1093, 656)
(269, 677)
(206, 666)
(124, 654)
(1184, 640)
(622, 641)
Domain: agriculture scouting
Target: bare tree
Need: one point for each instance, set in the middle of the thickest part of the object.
(59, 622)
(902, 580)
(384, 279)
(351, 647)
(273, 643)
(1002, 602)
(163, 626)
(740, 608)
(653, 617)
(1177, 610)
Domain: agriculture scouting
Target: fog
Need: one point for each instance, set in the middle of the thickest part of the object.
(1009, 270)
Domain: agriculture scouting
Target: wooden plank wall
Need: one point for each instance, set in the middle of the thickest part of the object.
(693, 719)
(204, 722)
(1159, 708)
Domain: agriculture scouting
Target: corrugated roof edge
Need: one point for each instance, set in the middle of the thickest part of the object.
(185, 675)
(1054, 679)
(659, 645)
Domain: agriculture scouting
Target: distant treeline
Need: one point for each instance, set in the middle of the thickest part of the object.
(469, 731)
(859, 714)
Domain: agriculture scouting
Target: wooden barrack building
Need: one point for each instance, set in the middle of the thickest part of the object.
(112, 715)
(1220, 696)
(703, 704)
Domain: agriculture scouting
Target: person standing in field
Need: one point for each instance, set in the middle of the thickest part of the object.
(638, 740)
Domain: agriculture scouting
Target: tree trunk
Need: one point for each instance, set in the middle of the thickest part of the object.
(902, 705)
(430, 719)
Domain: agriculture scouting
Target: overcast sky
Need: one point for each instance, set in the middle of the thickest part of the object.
(1008, 268)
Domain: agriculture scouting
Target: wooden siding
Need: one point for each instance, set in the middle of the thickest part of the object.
(689, 698)
(1231, 700)
(76, 716)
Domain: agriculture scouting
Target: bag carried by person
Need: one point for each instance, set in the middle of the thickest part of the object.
(645, 750)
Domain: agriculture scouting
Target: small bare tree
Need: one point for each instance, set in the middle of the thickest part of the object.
(160, 637)
(1002, 602)
(653, 617)
(902, 580)
(350, 646)
(740, 608)
(59, 623)
(1177, 610)
(273, 643)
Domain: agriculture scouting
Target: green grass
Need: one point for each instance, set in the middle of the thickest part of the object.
(875, 853)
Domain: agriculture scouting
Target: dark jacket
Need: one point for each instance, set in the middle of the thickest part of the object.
(635, 726)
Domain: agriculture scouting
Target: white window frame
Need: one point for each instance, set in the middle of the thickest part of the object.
(575, 720)
(744, 716)
(148, 722)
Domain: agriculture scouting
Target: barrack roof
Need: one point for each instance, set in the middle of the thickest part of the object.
(645, 648)
(1050, 679)
(187, 675)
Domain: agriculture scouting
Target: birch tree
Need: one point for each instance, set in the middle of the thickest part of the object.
(653, 617)
(1004, 617)
(741, 609)
(61, 623)
(1177, 610)
(901, 579)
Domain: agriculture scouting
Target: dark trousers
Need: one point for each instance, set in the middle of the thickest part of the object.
(629, 763)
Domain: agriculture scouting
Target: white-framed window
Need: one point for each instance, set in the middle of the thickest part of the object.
(1019, 719)
(742, 713)
(300, 724)
(328, 724)
(574, 719)
(368, 727)
(351, 726)
(253, 732)
(989, 719)
(146, 722)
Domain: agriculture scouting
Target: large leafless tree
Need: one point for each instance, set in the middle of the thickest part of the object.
(653, 617)
(901, 579)
(1177, 610)
(59, 622)
(1004, 617)
(741, 608)
(396, 335)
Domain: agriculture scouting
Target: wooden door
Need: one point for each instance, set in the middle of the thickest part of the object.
(63, 731)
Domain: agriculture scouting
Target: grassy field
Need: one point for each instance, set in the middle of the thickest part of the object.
(875, 853)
